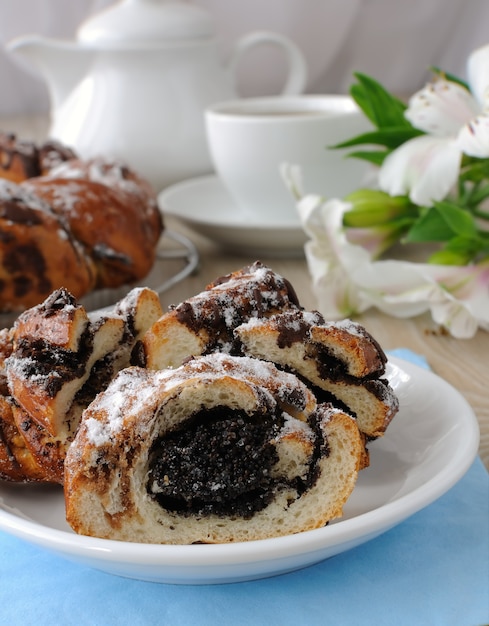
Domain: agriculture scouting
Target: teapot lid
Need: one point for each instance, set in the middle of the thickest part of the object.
(146, 22)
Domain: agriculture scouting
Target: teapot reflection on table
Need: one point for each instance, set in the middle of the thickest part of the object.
(135, 83)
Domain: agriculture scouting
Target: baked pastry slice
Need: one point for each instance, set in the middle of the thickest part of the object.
(208, 455)
(17, 463)
(61, 358)
(205, 322)
(339, 358)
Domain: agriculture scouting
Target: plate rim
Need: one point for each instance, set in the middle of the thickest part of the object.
(97, 552)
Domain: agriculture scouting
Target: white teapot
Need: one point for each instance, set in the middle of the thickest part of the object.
(136, 81)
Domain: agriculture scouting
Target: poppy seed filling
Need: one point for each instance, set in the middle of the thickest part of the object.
(220, 463)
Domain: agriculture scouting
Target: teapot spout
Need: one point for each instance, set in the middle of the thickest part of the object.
(62, 64)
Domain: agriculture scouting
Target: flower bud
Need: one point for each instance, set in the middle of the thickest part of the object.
(370, 207)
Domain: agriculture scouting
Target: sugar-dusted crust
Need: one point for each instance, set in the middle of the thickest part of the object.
(108, 493)
(108, 226)
(205, 322)
(341, 359)
(23, 159)
(234, 416)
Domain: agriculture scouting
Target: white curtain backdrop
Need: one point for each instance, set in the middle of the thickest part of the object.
(392, 40)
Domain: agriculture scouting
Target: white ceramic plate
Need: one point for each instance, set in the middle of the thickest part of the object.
(428, 447)
(204, 205)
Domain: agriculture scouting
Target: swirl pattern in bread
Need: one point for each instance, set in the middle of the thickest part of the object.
(207, 453)
(339, 358)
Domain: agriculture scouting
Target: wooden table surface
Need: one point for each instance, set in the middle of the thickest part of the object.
(463, 363)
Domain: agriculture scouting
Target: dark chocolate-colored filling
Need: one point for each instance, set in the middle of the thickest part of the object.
(253, 298)
(329, 366)
(17, 211)
(220, 463)
(101, 374)
(293, 328)
(29, 260)
(38, 358)
(138, 354)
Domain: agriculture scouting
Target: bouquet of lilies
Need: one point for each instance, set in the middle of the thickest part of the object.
(430, 200)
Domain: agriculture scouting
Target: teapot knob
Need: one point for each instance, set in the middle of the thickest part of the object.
(136, 21)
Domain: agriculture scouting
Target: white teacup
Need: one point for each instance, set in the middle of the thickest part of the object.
(250, 138)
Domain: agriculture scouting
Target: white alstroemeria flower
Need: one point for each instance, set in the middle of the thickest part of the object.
(425, 168)
(466, 303)
(331, 258)
(347, 281)
(456, 122)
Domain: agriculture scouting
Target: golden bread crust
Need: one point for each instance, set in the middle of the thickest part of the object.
(235, 416)
(109, 226)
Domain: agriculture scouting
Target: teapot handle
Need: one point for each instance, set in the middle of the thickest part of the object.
(297, 75)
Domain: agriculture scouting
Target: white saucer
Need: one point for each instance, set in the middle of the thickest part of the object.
(204, 205)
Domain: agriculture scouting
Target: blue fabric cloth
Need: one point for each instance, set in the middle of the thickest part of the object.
(433, 569)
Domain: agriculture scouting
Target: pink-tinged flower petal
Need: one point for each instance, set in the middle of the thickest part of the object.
(441, 108)
(478, 75)
(465, 307)
(426, 168)
(376, 240)
(473, 138)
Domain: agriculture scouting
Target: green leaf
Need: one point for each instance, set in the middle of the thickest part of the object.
(376, 157)
(478, 195)
(442, 222)
(390, 137)
(474, 170)
(382, 108)
(360, 96)
(458, 251)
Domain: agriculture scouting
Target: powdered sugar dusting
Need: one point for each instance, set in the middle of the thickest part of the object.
(126, 395)
(136, 391)
(347, 325)
(295, 426)
(11, 191)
